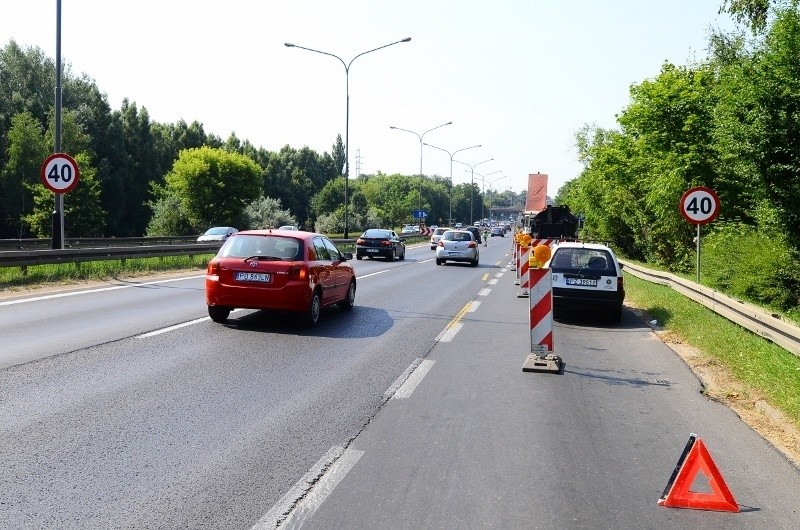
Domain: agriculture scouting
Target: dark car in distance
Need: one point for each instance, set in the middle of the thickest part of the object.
(380, 243)
(475, 232)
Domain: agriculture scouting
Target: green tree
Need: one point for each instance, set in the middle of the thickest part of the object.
(27, 150)
(775, 131)
(266, 212)
(214, 185)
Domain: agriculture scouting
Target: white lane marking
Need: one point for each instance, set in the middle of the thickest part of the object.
(493, 281)
(171, 328)
(449, 332)
(308, 493)
(500, 274)
(400, 380)
(371, 274)
(99, 290)
(413, 380)
(473, 306)
(426, 260)
(484, 292)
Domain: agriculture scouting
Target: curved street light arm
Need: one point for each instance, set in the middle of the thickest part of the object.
(407, 39)
(347, 110)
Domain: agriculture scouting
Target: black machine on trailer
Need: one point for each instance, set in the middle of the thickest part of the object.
(554, 222)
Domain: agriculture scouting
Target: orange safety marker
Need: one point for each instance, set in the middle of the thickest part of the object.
(677, 494)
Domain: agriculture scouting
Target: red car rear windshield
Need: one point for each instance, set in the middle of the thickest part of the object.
(246, 246)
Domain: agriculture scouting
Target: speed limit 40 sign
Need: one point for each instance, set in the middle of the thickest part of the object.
(60, 173)
(700, 205)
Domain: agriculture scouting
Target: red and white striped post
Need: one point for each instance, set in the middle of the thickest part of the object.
(524, 271)
(540, 301)
(541, 311)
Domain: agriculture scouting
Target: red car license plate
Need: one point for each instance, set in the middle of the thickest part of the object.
(261, 277)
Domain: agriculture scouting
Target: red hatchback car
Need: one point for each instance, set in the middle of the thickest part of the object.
(295, 271)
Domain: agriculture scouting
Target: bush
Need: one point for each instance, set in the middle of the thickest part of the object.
(746, 263)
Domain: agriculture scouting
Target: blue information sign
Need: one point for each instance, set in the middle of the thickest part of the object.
(420, 214)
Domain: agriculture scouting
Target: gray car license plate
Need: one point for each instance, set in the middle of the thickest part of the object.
(586, 282)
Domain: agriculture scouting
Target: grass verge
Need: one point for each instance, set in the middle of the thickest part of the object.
(764, 370)
(37, 275)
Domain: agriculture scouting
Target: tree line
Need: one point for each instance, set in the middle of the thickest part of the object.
(141, 177)
(730, 122)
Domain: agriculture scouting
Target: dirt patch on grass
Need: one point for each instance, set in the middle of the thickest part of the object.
(721, 386)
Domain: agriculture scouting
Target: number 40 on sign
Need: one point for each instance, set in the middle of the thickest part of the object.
(60, 173)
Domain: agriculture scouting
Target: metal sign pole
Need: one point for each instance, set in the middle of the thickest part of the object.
(697, 268)
(58, 207)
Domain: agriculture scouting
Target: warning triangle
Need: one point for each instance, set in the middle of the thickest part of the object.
(696, 459)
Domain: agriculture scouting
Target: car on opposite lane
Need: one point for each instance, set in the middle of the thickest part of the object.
(586, 276)
(380, 242)
(295, 271)
(457, 245)
(217, 233)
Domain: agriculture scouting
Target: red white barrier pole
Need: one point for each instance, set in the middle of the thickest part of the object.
(541, 311)
(540, 302)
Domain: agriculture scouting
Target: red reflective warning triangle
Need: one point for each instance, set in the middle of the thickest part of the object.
(678, 494)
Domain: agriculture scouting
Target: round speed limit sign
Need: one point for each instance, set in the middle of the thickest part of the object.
(700, 205)
(60, 173)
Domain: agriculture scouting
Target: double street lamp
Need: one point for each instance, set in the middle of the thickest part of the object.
(472, 185)
(347, 111)
(420, 136)
(450, 223)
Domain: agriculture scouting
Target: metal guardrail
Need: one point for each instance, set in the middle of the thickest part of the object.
(771, 326)
(94, 242)
(26, 258)
(87, 250)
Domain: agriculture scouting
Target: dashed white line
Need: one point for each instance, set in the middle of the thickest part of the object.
(484, 292)
(311, 490)
(407, 388)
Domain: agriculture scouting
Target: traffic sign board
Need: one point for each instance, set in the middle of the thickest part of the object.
(60, 173)
(700, 205)
(420, 214)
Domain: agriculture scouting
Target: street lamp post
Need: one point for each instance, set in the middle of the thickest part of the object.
(483, 186)
(490, 188)
(450, 220)
(472, 184)
(420, 136)
(347, 111)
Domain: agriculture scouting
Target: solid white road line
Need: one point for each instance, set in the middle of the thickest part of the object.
(89, 291)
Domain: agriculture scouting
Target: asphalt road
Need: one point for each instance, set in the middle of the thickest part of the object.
(128, 408)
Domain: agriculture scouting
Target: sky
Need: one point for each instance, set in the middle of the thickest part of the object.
(519, 78)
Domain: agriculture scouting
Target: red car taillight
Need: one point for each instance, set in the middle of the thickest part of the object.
(213, 268)
(298, 273)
